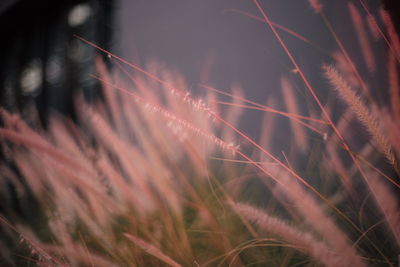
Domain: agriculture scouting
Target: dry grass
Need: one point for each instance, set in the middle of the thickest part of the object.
(363, 113)
(153, 176)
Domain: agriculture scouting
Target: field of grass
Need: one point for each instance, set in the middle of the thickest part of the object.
(153, 176)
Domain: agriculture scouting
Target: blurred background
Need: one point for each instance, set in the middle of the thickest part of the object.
(42, 64)
(220, 43)
(223, 43)
(216, 42)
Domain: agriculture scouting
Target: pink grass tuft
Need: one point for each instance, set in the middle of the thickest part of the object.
(291, 105)
(362, 38)
(304, 242)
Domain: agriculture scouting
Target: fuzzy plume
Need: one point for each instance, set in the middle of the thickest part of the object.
(365, 116)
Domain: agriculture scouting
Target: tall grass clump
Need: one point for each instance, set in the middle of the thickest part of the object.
(149, 175)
